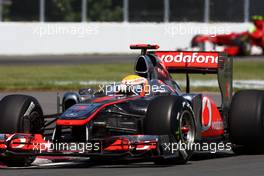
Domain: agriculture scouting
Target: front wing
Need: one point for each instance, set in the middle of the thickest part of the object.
(118, 147)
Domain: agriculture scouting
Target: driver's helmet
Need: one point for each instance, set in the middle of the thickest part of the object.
(135, 85)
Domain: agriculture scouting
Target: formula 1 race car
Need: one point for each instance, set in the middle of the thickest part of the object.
(142, 117)
(234, 44)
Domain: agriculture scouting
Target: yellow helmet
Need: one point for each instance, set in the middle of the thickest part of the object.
(136, 84)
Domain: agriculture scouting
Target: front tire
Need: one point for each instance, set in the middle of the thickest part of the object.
(20, 114)
(171, 115)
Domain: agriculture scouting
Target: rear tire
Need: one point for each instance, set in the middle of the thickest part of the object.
(166, 115)
(20, 114)
(246, 122)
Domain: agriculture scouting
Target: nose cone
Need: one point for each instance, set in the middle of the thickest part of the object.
(79, 111)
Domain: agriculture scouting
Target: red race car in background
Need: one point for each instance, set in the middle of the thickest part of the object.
(235, 44)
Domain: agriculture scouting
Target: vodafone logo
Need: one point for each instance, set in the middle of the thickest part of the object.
(194, 57)
(207, 114)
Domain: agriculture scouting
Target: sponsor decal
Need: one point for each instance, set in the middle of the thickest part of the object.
(71, 115)
(135, 81)
(189, 59)
(218, 125)
(212, 123)
(207, 114)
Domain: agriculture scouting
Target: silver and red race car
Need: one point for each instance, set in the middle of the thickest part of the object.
(147, 116)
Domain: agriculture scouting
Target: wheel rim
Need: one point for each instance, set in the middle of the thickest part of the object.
(187, 128)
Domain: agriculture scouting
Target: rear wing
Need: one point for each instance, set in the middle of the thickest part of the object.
(195, 62)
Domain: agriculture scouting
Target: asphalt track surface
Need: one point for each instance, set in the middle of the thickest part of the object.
(202, 164)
